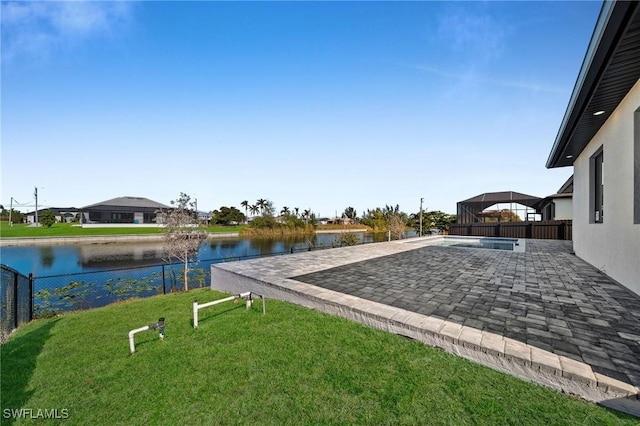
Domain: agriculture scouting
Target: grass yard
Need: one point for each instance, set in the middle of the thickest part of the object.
(291, 366)
(69, 230)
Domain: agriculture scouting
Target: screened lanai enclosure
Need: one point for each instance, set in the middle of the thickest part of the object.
(508, 206)
(507, 214)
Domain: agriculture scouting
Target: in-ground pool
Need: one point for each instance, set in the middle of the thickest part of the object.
(510, 244)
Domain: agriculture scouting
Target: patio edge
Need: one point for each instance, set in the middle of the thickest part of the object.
(489, 349)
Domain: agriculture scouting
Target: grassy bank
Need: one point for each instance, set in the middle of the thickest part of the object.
(291, 366)
(69, 230)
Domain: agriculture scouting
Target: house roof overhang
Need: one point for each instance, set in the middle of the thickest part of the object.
(610, 69)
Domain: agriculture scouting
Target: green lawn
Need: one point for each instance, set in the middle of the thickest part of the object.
(291, 366)
(68, 230)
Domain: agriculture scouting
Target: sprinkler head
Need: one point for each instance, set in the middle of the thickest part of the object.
(161, 327)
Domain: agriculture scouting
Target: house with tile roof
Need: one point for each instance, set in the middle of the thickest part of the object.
(129, 211)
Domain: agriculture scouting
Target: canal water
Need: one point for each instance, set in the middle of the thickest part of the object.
(80, 276)
(79, 258)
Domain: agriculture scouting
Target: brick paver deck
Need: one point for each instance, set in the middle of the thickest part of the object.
(546, 297)
(542, 315)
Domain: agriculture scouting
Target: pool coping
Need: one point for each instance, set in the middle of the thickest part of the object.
(270, 277)
(520, 244)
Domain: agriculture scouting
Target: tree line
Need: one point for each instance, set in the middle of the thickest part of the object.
(263, 214)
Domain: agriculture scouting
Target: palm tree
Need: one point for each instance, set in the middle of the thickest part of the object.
(297, 209)
(261, 203)
(285, 211)
(245, 204)
(254, 209)
(305, 215)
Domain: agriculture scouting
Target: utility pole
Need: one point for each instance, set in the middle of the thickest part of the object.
(36, 195)
(421, 200)
(10, 210)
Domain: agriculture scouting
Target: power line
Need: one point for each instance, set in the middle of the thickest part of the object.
(17, 203)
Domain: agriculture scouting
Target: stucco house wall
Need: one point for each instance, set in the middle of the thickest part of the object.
(564, 208)
(613, 246)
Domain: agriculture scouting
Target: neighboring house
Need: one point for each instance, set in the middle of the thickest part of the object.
(204, 217)
(124, 210)
(558, 206)
(62, 214)
(339, 221)
(600, 137)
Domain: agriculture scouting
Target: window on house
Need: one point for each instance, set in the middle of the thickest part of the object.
(121, 217)
(597, 187)
(95, 216)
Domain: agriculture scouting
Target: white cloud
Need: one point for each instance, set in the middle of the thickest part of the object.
(474, 43)
(37, 29)
(475, 34)
(472, 77)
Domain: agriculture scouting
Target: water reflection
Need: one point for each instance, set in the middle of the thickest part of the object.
(77, 258)
(47, 256)
(108, 256)
(91, 275)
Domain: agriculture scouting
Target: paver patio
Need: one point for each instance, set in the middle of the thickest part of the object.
(546, 297)
(544, 314)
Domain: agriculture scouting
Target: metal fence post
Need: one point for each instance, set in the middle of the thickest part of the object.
(164, 289)
(30, 297)
(15, 300)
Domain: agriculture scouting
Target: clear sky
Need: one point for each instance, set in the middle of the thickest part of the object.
(316, 105)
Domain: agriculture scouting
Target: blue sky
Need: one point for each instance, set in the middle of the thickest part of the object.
(316, 105)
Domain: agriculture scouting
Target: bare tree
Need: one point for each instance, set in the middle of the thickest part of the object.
(396, 226)
(182, 237)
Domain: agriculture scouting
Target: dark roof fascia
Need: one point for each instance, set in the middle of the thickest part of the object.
(565, 186)
(612, 22)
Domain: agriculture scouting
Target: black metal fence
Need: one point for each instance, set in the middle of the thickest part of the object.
(16, 306)
(552, 229)
(25, 298)
(84, 290)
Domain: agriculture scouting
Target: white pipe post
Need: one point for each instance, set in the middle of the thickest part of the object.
(132, 345)
(195, 313)
(197, 307)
